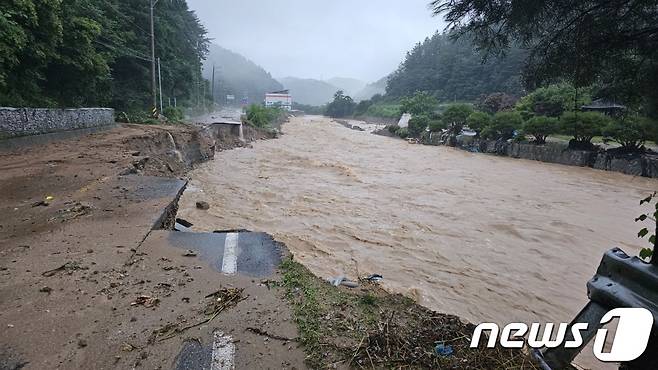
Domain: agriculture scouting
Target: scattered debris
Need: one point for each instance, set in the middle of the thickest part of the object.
(146, 301)
(203, 205)
(442, 349)
(67, 214)
(189, 253)
(82, 343)
(342, 280)
(68, 267)
(41, 203)
(46, 289)
(127, 347)
(221, 300)
(273, 336)
(374, 278)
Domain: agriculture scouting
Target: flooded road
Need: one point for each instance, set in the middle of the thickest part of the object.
(483, 237)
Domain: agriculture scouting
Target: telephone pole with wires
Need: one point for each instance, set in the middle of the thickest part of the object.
(153, 84)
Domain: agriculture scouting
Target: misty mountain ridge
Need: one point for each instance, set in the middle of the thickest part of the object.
(238, 76)
(312, 91)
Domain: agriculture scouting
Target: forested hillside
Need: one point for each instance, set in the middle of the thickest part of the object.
(453, 70)
(238, 76)
(72, 53)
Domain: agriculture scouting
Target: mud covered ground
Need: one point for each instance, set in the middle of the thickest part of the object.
(79, 287)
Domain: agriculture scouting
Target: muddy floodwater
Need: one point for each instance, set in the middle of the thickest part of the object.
(484, 237)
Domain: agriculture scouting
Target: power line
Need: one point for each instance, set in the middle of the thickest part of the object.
(121, 46)
(126, 53)
(125, 16)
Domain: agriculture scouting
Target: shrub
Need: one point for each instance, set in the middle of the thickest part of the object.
(393, 129)
(417, 125)
(477, 121)
(437, 125)
(263, 117)
(630, 132)
(540, 127)
(403, 132)
(173, 114)
(583, 126)
(419, 104)
(502, 126)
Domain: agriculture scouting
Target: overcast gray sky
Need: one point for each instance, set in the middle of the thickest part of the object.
(364, 39)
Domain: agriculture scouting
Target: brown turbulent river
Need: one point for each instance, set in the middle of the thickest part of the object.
(483, 237)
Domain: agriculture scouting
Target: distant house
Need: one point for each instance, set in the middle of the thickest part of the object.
(603, 106)
(281, 99)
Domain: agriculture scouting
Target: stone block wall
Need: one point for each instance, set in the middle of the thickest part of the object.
(16, 122)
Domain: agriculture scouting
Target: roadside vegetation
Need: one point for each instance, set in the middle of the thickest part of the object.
(264, 117)
(95, 53)
(369, 328)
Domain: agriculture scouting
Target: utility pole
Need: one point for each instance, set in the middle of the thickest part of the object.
(153, 87)
(160, 85)
(212, 93)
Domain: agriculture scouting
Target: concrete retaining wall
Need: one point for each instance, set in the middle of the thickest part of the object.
(34, 121)
(645, 165)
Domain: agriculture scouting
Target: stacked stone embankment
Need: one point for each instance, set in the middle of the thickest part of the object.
(16, 122)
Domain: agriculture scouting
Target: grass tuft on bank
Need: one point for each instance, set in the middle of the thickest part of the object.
(368, 327)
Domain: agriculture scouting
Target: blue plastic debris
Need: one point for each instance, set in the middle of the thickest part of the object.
(442, 350)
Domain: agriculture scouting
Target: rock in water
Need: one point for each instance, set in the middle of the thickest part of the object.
(203, 205)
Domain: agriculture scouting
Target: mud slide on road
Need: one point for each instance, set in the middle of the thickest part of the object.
(482, 237)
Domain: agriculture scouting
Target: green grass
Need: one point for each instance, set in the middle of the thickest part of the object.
(367, 327)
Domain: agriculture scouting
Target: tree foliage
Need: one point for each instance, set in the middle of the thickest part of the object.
(495, 102)
(477, 121)
(421, 103)
(73, 53)
(341, 106)
(418, 124)
(552, 101)
(452, 70)
(540, 127)
(630, 131)
(613, 44)
(503, 126)
(583, 126)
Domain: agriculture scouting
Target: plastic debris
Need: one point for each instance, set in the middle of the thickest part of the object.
(341, 280)
(375, 277)
(441, 349)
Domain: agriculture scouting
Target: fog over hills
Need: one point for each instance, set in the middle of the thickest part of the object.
(309, 91)
(371, 89)
(238, 76)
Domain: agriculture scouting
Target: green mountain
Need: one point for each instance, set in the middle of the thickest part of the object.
(453, 70)
(238, 76)
(309, 91)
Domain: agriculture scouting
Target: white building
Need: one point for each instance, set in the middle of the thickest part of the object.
(281, 99)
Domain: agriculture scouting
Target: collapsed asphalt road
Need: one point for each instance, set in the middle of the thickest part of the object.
(88, 283)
